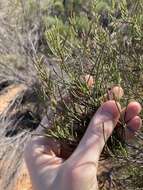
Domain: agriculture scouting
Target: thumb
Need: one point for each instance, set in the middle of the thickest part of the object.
(98, 131)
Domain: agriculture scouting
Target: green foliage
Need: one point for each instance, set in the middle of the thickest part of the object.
(103, 39)
(75, 38)
(81, 45)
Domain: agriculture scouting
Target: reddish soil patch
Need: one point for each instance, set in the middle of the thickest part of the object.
(8, 95)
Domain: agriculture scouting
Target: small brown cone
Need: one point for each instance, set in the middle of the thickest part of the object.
(117, 92)
(89, 80)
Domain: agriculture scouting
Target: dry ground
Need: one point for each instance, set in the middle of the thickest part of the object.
(6, 97)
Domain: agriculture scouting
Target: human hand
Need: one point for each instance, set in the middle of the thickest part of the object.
(49, 171)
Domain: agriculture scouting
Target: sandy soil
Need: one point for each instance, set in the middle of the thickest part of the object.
(9, 94)
(6, 97)
(23, 181)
